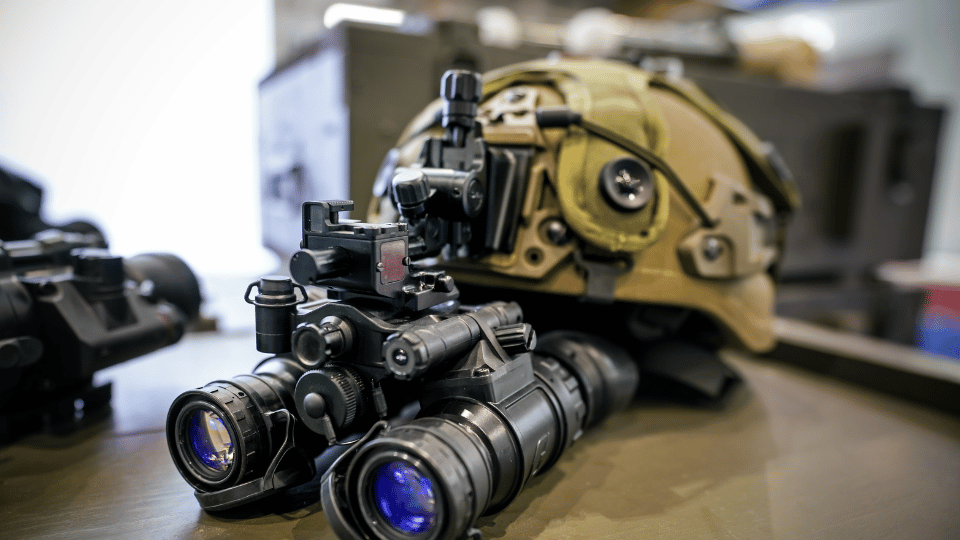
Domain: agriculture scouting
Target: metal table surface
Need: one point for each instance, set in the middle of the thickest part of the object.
(793, 455)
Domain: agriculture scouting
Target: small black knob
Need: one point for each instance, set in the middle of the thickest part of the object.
(314, 405)
(311, 265)
(516, 338)
(411, 189)
(337, 391)
(461, 85)
(461, 92)
(443, 283)
(472, 198)
(98, 265)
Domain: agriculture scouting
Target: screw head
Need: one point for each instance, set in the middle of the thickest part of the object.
(712, 248)
(557, 232)
(627, 183)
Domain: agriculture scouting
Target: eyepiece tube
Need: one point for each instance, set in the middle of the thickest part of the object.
(466, 458)
(607, 374)
(315, 344)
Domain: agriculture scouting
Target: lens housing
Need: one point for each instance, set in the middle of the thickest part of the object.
(241, 419)
(608, 377)
(483, 437)
(436, 449)
(257, 426)
(477, 455)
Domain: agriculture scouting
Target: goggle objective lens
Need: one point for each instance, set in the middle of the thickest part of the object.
(210, 440)
(405, 497)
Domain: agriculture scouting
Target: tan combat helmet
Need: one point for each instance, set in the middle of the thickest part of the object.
(624, 186)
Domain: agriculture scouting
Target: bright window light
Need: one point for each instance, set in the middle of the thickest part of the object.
(816, 31)
(353, 12)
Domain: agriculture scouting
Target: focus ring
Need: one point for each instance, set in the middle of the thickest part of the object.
(349, 394)
(569, 394)
(240, 416)
(344, 392)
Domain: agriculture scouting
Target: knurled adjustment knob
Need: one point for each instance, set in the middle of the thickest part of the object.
(516, 338)
(461, 92)
(461, 85)
(341, 391)
(411, 189)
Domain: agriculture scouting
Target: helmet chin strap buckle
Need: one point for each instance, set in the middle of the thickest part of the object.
(602, 276)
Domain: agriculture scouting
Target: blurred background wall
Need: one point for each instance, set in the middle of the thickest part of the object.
(142, 115)
(918, 42)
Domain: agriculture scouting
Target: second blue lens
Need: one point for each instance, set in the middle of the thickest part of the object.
(211, 440)
(405, 497)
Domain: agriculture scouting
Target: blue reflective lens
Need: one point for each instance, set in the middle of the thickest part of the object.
(211, 440)
(405, 497)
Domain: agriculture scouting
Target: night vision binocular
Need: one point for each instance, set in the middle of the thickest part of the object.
(496, 405)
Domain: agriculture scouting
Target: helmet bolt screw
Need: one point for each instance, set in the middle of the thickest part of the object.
(557, 232)
(627, 183)
(712, 248)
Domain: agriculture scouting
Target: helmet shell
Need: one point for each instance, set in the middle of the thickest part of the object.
(584, 232)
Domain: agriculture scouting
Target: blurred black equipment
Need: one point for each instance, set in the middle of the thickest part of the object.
(21, 203)
(69, 308)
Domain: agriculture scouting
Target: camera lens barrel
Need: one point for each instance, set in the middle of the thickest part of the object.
(470, 457)
(223, 434)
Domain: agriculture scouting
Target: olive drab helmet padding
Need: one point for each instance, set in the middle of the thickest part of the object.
(693, 217)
